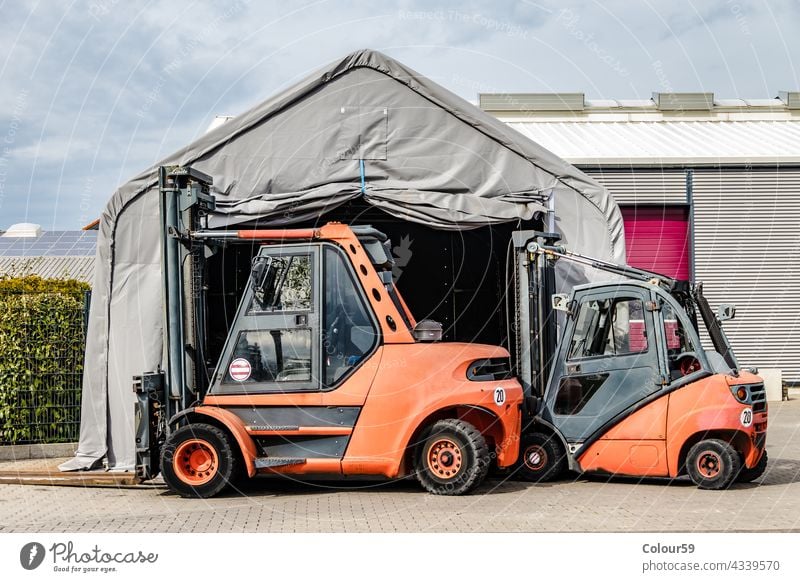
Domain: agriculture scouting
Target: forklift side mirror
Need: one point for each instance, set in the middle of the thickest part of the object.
(561, 302)
(726, 312)
(263, 276)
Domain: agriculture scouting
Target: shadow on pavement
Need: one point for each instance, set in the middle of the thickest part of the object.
(780, 472)
(290, 486)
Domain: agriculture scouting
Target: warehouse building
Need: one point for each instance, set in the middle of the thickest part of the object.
(709, 189)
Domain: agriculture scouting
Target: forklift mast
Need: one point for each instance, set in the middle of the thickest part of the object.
(536, 337)
(536, 330)
(185, 202)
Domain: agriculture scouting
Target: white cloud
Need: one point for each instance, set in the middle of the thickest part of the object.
(108, 86)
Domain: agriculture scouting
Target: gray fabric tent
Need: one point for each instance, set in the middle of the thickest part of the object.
(366, 126)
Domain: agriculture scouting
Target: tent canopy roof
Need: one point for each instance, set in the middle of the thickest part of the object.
(368, 126)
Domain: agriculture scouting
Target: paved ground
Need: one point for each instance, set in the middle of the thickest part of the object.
(578, 504)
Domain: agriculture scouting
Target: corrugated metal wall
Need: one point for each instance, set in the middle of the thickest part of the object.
(643, 185)
(746, 248)
(747, 252)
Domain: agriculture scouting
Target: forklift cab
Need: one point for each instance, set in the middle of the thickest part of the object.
(622, 346)
(304, 324)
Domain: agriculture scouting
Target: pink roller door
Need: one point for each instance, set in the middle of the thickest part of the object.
(657, 238)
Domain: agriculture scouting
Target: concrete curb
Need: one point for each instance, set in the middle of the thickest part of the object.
(22, 452)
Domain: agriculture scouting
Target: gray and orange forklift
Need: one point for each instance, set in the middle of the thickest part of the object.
(323, 370)
(618, 381)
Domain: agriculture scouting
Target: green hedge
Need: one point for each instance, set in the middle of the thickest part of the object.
(41, 359)
(31, 284)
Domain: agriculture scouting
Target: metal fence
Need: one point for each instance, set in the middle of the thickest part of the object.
(42, 341)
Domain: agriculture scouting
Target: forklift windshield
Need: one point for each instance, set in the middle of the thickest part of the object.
(280, 283)
(609, 327)
(691, 298)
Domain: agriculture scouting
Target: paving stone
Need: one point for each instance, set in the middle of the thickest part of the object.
(576, 504)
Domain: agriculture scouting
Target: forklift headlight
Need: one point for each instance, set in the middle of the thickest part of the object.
(741, 393)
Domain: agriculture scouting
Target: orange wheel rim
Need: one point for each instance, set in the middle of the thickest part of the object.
(444, 459)
(535, 457)
(195, 462)
(709, 464)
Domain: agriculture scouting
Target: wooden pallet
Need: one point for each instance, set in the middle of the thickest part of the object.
(52, 476)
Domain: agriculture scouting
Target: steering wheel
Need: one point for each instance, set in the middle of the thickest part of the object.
(687, 363)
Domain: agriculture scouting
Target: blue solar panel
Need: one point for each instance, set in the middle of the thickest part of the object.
(57, 243)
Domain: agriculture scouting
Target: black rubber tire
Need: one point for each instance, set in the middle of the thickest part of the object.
(474, 458)
(721, 459)
(541, 458)
(228, 460)
(746, 475)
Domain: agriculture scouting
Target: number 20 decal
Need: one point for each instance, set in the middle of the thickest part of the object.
(746, 417)
(499, 396)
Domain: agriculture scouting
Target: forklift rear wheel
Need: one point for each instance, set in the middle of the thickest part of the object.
(198, 461)
(746, 475)
(713, 464)
(541, 458)
(453, 459)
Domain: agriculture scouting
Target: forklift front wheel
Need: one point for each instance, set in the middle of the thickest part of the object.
(198, 461)
(453, 459)
(541, 458)
(713, 464)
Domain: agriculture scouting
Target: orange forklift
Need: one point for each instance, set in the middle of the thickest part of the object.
(617, 380)
(324, 371)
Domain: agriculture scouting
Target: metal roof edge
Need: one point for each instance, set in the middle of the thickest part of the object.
(685, 161)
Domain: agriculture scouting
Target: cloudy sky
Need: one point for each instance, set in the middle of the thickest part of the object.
(93, 92)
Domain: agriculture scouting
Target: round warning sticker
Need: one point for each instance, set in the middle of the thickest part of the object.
(746, 418)
(240, 369)
(499, 396)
